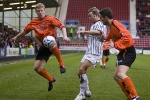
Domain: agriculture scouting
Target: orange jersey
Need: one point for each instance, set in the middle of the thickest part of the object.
(44, 27)
(120, 36)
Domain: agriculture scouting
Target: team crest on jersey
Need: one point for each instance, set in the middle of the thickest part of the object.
(44, 23)
(122, 34)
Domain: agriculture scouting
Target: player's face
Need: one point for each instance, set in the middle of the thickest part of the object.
(104, 20)
(92, 17)
(40, 12)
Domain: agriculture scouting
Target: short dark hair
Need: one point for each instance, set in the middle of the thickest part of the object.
(106, 12)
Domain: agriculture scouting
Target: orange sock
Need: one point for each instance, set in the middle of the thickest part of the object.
(45, 74)
(103, 60)
(121, 84)
(130, 86)
(57, 54)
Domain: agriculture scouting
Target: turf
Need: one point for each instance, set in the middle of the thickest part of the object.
(18, 80)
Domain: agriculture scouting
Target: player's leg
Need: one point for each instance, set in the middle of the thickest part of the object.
(57, 53)
(107, 58)
(107, 55)
(100, 62)
(41, 59)
(94, 65)
(125, 60)
(103, 61)
(82, 77)
(38, 67)
(86, 65)
(84, 87)
(125, 82)
(120, 81)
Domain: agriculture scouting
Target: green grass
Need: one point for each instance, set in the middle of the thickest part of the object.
(18, 81)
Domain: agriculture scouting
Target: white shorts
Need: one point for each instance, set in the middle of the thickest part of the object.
(92, 58)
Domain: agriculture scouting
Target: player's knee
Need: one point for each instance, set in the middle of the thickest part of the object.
(115, 77)
(37, 69)
(81, 71)
(119, 75)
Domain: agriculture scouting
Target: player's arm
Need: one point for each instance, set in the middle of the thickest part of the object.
(23, 33)
(57, 22)
(63, 30)
(93, 32)
(123, 42)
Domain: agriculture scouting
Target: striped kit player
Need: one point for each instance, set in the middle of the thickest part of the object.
(93, 53)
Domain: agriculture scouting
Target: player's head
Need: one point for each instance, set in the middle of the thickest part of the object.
(93, 14)
(106, 15)
(40, 10)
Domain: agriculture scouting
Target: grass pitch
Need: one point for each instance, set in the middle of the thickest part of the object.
(18, 80)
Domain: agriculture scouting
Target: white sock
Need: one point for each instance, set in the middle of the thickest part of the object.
(82, 86)
(86, 81)
(100, 62)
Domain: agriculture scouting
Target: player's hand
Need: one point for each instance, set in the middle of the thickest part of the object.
(79, 32)
(109, 44)
(66, 39)
(14, 39)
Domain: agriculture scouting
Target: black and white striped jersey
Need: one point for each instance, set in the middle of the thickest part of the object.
(94, 43)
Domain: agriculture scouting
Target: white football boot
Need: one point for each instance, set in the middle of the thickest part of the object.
(87, 93)
(80, 97)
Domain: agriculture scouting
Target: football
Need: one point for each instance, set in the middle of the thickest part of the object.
(49, 41)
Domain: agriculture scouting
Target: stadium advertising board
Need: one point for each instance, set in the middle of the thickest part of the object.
(138, 51)
(24, 51)
(146, 51)
(31, 51)
(2, 52)
(12, 52)
(112, 50)
(72, 48)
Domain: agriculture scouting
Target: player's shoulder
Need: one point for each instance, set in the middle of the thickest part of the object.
(99, 23)
(35, 20)
(51, 17)
(117, 23)
(48, 16)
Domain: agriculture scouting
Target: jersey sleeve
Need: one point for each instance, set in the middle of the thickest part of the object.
(101, 27)
(56, 22)
(28, 28)
(125, 40)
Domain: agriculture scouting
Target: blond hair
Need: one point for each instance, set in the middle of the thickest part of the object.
(94, 10)
(39, 5)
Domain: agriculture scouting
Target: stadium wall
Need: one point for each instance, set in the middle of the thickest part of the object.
(9, 52)
(112, 50)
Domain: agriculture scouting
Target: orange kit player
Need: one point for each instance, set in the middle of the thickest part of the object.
(106, 54)
(43, 26)
(123, 41)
